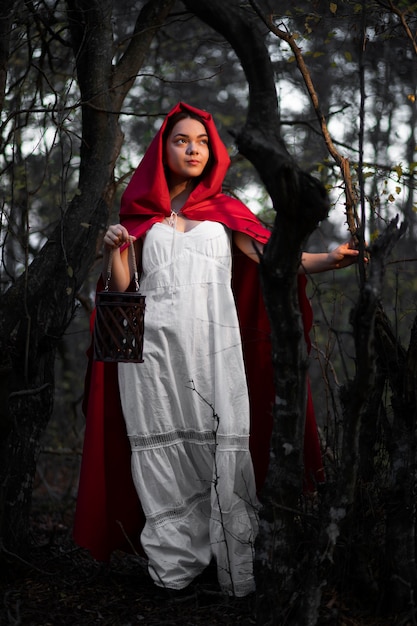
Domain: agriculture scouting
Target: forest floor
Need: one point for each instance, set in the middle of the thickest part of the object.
(59, 584)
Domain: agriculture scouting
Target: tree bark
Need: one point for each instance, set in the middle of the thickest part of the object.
(400, 541)
(6, 14)
(286, 575)
(342, 511)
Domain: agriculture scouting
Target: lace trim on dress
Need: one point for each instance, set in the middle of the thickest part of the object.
(160, 440)
(180, 512)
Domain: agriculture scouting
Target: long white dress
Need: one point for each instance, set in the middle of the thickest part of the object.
(187, 413)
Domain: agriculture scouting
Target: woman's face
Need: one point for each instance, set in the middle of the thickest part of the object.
(187, 150)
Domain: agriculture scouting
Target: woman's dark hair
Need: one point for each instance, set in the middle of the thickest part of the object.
(177, 117)
(183, 115)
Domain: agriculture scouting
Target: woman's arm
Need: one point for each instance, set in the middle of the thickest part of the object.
(121, 272)
(248, 246)
(311, 263)
(342, 256)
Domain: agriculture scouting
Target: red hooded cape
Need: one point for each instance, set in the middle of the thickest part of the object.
(108, 514)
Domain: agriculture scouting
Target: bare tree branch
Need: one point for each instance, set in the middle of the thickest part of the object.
(402, 15)
(342, 162)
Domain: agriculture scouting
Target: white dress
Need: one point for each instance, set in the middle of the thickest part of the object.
(187, 413)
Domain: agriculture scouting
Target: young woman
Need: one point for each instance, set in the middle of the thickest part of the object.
(197, 412)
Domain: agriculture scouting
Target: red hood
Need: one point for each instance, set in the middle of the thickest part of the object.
(147, 192)
(146, 199)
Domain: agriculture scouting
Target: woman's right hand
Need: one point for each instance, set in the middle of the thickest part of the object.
(116, 235)
(121, 272)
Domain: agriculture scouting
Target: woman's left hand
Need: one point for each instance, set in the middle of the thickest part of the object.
(344, 255)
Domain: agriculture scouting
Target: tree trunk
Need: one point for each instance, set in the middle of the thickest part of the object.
(287, 568)
(400, 539)
(343, 513)
(6, 14)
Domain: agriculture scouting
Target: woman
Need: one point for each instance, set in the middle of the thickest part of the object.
(187, 409)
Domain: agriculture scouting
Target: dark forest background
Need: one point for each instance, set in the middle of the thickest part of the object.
(300, 91)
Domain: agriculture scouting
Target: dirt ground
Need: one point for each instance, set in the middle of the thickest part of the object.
(58, 584)
(63, 586)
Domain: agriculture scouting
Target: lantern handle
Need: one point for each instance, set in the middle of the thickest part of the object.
(132, 262)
